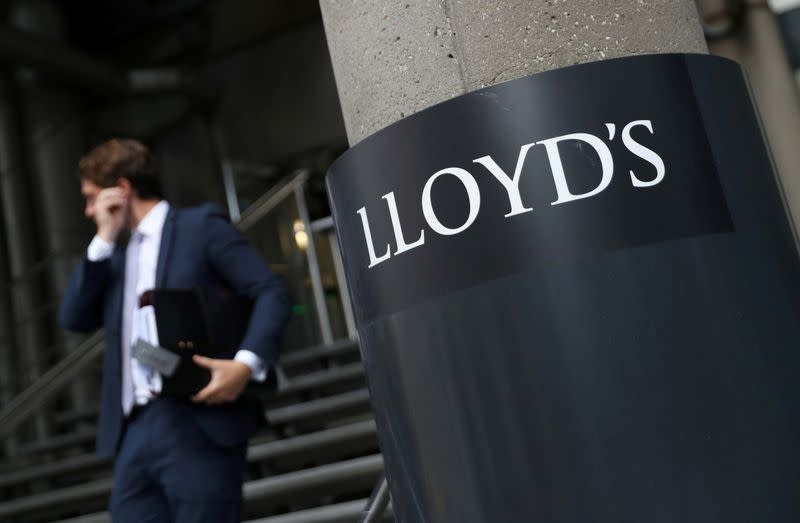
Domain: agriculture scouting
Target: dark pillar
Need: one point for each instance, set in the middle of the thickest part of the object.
(53, 124)
(19, 217)
(629, 356)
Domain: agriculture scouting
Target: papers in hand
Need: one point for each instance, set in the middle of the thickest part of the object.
(157, 358)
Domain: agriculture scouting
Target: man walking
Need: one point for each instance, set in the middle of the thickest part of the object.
(177, 459)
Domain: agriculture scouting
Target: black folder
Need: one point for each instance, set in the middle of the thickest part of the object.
(210, 322)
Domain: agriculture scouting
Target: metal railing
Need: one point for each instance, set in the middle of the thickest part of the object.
(325, 225)
(28, 402)
(271, 199)
(377, 503)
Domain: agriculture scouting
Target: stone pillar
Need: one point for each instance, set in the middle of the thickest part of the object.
(394, 58)
(472, 442)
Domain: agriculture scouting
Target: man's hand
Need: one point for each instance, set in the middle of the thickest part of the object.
(228, 380)
(111, 210)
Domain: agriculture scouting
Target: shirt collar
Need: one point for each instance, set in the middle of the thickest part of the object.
(153, 221)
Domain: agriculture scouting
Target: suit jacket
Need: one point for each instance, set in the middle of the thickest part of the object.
(199, 248)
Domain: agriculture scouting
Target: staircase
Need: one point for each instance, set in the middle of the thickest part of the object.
(316, 462)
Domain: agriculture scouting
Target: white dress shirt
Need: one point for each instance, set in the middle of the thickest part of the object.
(140, 383)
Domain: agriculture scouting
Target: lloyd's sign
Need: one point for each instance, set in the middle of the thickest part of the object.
(577, 296)
(534, 171)
(511, 184)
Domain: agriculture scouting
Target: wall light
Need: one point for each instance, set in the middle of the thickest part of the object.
(300, 235)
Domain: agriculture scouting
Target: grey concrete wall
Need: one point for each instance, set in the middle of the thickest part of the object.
(190, 171)
(393, 58)
(279, 97)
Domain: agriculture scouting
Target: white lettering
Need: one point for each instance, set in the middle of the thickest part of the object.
(473, 194)
(585, 144)
(373, 260)
(560, 179)
(402, 246)
(511, 184)
(644, 153)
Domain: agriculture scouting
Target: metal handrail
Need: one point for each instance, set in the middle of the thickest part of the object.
(377, 503)
(322, 224)
(272, 199)
(25, 404)
(29, 401)
(313, 268)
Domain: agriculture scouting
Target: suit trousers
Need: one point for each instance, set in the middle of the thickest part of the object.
(168, 470)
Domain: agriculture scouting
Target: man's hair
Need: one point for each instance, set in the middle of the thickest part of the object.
(122, 158)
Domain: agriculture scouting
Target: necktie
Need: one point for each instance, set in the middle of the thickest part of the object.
(130, 304)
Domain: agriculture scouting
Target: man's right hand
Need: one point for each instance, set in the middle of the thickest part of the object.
(111, 210)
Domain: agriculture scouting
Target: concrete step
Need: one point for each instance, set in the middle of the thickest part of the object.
(346, 512)
(83, 464)
(331, 478)
(354, 435)
(92, 491)
(100, 517)
(310, 444)
(305, 356)
(317, 379)
(315, 479)
(79, 438)
(83, 439)
(343, 404)
(82, 415)
(339, 513)
(324, 378)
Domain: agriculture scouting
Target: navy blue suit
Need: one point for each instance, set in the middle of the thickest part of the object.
(199, 248)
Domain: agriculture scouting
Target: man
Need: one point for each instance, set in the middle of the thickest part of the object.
(177, 459)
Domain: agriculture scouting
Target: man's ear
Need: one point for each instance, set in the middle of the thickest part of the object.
(125, 185)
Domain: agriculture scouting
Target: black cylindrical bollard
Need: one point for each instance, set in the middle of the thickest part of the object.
(578, 298)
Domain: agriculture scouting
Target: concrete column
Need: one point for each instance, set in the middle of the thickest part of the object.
(394, 58)
(8, 345)
(21, 237)
(53, 123)
(759, 47)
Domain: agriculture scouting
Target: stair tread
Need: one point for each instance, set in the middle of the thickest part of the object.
(279, 415)
(282, 415)
(306, 442)
(61, 496)
(336, 513)
(98, 517)
(310, 354)
(319, 378)
(312, 477)
(356, 435)
(76, 415)
(79, 437)
(282, 484)
(62, 466)
(323, 378)
(257, 452)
